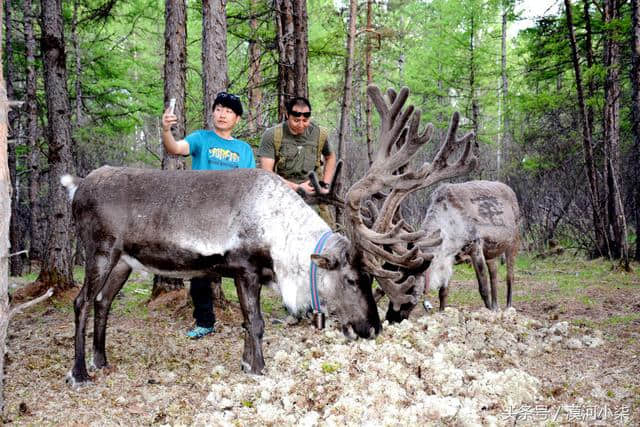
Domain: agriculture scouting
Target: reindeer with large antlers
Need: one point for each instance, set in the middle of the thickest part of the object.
(394, 254)
(249, 225)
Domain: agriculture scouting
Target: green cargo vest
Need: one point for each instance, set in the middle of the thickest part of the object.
(323, 135)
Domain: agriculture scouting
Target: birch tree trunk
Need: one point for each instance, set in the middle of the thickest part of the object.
(214, 54)
(56, 269)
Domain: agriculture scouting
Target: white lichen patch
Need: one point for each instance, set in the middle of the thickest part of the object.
(456, 365)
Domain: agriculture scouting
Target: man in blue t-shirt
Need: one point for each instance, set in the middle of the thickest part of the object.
(210, 150)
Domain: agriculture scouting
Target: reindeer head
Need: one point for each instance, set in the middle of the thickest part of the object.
(391, 250)
(379, 243)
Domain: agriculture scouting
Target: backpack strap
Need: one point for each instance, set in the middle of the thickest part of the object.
(277, 143)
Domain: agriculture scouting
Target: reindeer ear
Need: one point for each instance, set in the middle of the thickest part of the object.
(324, 262)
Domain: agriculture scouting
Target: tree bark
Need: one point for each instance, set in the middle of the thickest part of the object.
(214, 54)
(600, 236)
(300, 32)
(214, 66)
(175, 70)
(16, 239)
(291, 38)
(505, 143)
(255, 113)
(635, 112)
(611, 126)
(475, 108)
(31, 105)
(347, 96)
(5, 215)
(367, 62)
(56, 269)
(591, 84)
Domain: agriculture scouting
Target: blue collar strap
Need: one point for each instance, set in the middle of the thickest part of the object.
(313, 280)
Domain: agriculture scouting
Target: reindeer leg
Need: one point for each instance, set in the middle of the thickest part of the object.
(102, 304)
(478, 261)
(248, 289)
(442, 294)
(511, 259)
(95, 270)
(493, 278)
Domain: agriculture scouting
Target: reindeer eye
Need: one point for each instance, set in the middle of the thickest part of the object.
(351, 282)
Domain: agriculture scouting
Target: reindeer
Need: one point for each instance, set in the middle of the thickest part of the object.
(477, 220)
(249, 225)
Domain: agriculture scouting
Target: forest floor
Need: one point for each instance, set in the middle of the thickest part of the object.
(568, 354)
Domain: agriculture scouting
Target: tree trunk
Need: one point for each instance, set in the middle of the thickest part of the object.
(367, 62)
(611, 126)
(214, 54)
(35, 243)
(475, 109)
(56, 269)
(291, 38)
(16, 239)
(175, 68)
(635, 112)
(254, 115)
(591, 84)
(5, 215)
(504, 146)
(347, 96)
(214, 65)
(78, 63)
(300, 32)
(600, 236)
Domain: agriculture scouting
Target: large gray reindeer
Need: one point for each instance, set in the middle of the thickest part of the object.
(247, 224)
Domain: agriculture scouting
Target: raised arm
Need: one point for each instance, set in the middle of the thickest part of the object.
(172, 146)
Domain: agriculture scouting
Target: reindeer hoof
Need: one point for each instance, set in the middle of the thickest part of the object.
(249, 370)
(77, 381)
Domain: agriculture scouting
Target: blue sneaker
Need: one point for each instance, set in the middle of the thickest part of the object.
(199, 332)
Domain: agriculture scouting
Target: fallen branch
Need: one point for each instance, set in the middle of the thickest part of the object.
(18, 308)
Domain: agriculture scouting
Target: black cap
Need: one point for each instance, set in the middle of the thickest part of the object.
(230, 101)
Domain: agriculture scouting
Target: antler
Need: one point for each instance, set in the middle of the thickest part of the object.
(381, 240)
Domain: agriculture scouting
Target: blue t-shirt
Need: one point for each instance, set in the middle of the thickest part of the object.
(210, 152)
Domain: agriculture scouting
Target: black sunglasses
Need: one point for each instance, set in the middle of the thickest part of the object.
(225, 95)
(307, 114)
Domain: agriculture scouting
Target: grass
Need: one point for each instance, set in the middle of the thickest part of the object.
(564, 276)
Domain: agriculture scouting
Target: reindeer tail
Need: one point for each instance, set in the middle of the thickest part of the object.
(71, 184)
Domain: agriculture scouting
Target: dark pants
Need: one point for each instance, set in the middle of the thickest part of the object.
(203, 301)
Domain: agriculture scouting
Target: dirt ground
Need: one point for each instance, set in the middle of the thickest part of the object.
(586, 370)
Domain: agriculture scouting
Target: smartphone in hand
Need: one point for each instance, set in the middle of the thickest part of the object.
(172, 105)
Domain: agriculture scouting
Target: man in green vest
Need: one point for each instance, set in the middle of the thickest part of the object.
(296, 147)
